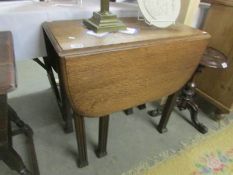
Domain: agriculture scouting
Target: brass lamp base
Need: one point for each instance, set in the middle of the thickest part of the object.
(104, 22)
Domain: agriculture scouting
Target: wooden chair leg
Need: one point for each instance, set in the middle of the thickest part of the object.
(81, 141)
(103, 136)
(171, 102)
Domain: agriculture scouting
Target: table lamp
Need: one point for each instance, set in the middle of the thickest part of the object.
(104, 21)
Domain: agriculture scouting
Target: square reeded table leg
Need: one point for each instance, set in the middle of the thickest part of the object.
(81, 140)
(103, 136)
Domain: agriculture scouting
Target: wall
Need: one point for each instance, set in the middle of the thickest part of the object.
(188, 12)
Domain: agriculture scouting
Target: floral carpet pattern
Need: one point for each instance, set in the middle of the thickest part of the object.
(210, 155)
(215, 163)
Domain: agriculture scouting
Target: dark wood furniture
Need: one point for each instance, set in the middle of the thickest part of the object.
(7, 83)
(219, 91)
(99, 76)
(7, 114)
(212, 58)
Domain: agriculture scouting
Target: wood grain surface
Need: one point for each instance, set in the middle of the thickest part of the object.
(224, 2)
(121, 71)
(217, 85)
(7, 63)
(66, 35)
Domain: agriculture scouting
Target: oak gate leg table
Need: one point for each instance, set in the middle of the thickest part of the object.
(102, 75)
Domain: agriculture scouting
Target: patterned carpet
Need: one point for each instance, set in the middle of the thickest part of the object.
(211, 155)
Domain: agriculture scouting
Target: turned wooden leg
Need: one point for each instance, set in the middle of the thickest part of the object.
(81, 141)
(171, 102)
(103, 136)
(186, 101)
(142, 106)
(128, 111)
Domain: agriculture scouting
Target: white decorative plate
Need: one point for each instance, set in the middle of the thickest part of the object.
(160, 13)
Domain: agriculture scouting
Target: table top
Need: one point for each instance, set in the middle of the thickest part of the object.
(119, 70)
(71, 37)
(7, 63)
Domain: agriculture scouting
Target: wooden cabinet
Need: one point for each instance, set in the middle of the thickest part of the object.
(217, 85)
